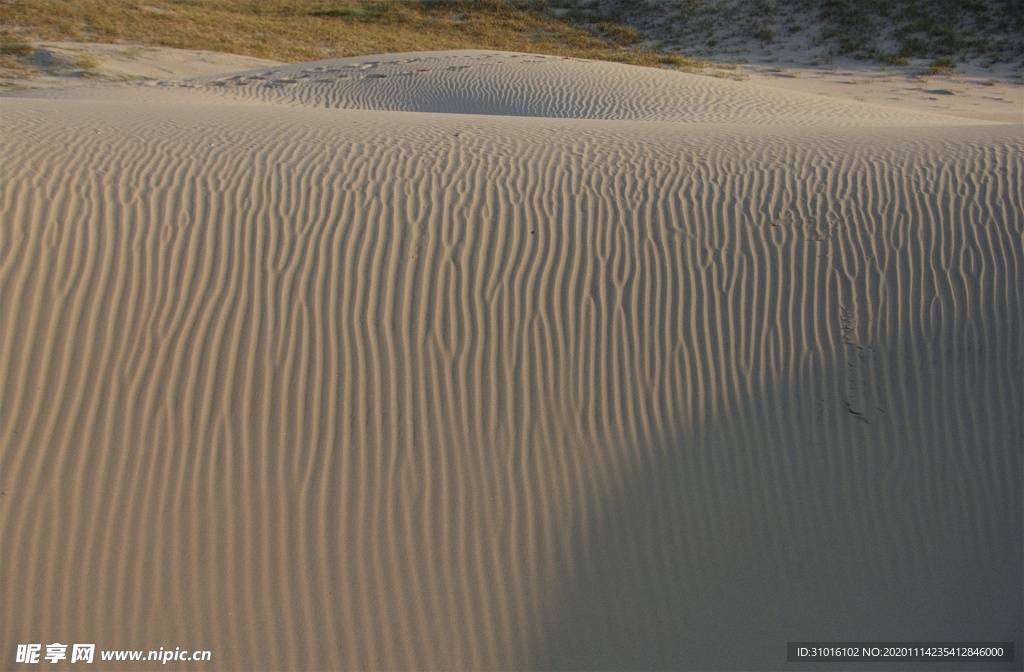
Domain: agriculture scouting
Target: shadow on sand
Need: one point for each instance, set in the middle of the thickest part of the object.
(791, 519)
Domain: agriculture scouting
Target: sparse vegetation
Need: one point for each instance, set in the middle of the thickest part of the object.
(890, 58)
(764, 34)
(13, 52)
(943, 65)
(302, 30)
(14, 47)
(83, 62)
(890, 32)
(21, 60)
(133, 52)
(618, 33)
(926, 28)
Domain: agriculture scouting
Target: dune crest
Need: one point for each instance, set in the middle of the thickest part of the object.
(531, 85)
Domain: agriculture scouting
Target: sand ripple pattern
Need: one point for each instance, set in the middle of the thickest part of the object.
(524, 85)
(533, 85)
(329, 389)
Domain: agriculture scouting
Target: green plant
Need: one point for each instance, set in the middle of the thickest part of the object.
(618, 33)
(763, 33)
(941, 65)
(891, 58)
(84, 61)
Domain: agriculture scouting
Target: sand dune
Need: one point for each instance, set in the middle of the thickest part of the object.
(524, 363)
(529, 85)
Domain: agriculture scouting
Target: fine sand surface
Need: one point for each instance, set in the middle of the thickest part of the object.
(476, 360)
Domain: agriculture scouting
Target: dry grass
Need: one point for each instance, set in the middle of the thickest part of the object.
(20, 60)
(302, 30)
(13, 53)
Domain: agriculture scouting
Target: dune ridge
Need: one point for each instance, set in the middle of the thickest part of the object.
(315, 387)
(524, 85)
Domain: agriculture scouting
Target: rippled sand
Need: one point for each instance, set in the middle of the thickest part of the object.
(477, 360)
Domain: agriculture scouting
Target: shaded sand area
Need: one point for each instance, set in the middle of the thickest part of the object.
(478, 360)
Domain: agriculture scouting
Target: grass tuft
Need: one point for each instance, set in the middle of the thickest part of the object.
(13, 46)
(944, 65)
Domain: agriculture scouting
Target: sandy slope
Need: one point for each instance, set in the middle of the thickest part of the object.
(60, 65)
(652, 371)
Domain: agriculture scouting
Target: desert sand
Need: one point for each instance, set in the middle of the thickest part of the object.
(481, 360)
